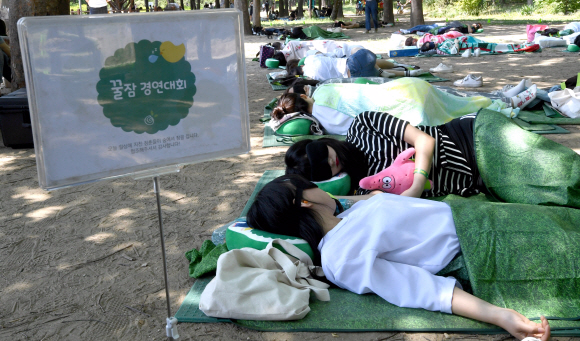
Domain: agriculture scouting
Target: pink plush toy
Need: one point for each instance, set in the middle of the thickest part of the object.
(397, 178)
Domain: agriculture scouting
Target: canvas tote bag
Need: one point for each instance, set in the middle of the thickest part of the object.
(567, 101)
(264, 284)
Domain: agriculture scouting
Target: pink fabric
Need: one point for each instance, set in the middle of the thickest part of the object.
(438, 39)
(532, 29)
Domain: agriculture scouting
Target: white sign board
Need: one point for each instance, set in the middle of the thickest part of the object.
(111, 95)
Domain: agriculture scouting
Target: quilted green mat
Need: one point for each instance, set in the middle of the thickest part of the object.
(429, 77)
(348, 312)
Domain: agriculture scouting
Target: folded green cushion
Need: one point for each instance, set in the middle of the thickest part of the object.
(337, 185)
(298, 126)
(240, 235)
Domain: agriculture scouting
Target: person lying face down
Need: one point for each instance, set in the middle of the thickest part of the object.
(360, 62)
(394, 253)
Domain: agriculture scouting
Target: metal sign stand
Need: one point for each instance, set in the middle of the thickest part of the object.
(171, 326)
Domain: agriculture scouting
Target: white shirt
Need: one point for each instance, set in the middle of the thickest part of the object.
(321, 68)
(97, 3)
(344, 51)
(575, 26)
(393, 245)
(335, 122)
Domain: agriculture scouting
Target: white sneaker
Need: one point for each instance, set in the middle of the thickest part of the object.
(442, 68)
(477, 52)
(466, 54)
(470, 81)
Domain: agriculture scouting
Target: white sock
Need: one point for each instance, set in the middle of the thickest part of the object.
(524, 98)
(414, 73)
(385, 74)
(516, 89)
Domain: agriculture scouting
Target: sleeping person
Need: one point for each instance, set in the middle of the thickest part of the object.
(446, 156)
(336, 105)
(346, 62)
(388, 245)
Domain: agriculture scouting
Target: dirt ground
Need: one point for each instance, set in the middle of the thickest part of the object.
(84, 263)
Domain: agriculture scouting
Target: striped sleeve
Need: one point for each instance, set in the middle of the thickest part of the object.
(380, 137)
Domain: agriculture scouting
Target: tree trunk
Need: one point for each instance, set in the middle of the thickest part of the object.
(226, 3)
(28, 8)
(255, 13)
(198, 4)
(283, 8)
(417, 13)
(300, 9)
(217, 4)
(337, 10)
(243, 7)
(388, 15)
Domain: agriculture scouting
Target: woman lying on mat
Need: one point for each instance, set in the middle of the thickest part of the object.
(445, 155)
(388, 245)
(359, 62)
(411, 99)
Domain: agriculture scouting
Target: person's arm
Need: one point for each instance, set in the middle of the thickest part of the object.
(397, 131)
(516, 324)
(356, 198)
(424, 148)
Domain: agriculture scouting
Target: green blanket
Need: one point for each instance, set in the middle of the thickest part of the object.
(521, 167)
(315, 32)
(524, 257)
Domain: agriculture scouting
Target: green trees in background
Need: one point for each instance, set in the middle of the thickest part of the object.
(529, 7)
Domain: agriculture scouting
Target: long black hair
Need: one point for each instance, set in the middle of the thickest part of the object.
(296, 84)
(293, 69)
(277, 209)
(352, 160)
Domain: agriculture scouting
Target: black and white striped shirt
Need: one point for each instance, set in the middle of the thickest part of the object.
(380, 137)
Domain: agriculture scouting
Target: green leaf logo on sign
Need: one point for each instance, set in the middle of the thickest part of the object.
(146, 87)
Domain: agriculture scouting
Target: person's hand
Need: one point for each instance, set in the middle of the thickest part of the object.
(521, 327)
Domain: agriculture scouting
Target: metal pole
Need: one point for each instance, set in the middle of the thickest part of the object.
(80, 8)
(161, 235)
